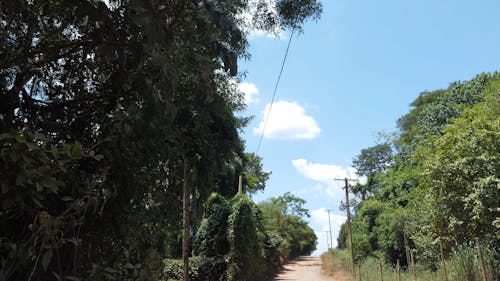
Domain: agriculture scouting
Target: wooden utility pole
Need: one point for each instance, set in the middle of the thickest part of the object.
(327, 240)
(186, 220)
(240, 184)
(330, 226)
(346, 180)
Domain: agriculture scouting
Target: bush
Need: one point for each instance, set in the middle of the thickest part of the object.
(246, 257)
(464, 264)
(231, 244)
(212, 237)
(201, 268)
(272, 251)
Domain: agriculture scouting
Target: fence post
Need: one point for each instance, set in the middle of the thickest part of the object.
(381, 272)
(359, 271)
(398, 270)
(412, 258)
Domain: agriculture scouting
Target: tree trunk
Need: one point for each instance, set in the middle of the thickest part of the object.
(407, 247)
(186, 221)
(442, 260)
(481, 259)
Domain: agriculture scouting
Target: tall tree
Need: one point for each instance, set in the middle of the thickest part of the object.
(372, 161)
(460, 172)
(101, 104)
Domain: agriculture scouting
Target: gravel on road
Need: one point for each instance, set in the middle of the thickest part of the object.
(304, 268)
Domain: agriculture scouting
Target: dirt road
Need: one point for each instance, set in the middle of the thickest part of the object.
(303, 269)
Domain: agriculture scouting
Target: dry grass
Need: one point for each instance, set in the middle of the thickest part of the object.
(334, 267)
(462, 266)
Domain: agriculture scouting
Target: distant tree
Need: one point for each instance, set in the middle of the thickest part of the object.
(284, 216)
(371, 162)
(254, 178)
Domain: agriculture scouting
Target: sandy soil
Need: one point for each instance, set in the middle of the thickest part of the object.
(303, 269)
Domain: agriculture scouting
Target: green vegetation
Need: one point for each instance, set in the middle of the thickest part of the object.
(236, 239)
(434, 183)
(109, 110)
(283, 217)
(462, 265)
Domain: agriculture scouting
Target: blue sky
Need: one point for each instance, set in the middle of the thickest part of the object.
(352, 74)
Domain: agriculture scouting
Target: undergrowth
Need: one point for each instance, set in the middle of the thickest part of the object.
(462, 265)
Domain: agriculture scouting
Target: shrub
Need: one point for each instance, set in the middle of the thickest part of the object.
(464, 264)
(246, 257)
(272, 251)
(212, 237)
(201, 268)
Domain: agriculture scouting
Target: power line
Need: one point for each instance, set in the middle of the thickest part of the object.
(274, 93)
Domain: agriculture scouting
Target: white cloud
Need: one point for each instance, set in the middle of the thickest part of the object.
(287, 120)
(250, 91)
(325, 175)
(320, 221)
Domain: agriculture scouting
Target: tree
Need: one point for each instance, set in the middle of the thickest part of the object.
(284, 215)
(460, 170)
(115, 97)
(371, 162)
(254, 178)
(440, 181)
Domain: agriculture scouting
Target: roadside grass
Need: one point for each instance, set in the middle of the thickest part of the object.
(463, 265)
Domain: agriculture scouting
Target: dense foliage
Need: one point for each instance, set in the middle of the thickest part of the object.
(437, 182)
(238, 240)
(103, 106)
(284, 217)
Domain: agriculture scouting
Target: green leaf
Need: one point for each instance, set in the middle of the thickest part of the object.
(21, 139)
(77, 150)
(15, 155)
(46, 258)
(52, 184)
